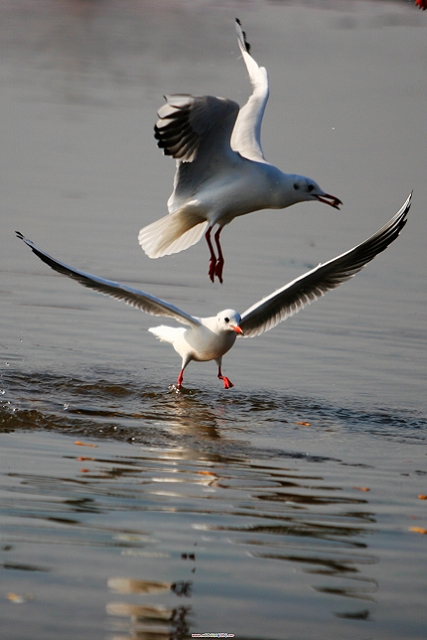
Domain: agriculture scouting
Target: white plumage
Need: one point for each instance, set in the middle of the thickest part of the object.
(203, 339)
(221, 170)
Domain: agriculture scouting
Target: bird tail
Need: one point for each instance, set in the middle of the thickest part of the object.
(166, 334)
(173, 233)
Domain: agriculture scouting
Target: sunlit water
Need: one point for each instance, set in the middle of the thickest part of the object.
(286, 508)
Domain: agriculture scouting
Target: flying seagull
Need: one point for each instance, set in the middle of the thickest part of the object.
(221, 170)
(203, 339)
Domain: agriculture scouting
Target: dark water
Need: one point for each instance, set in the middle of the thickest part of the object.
(286, 508)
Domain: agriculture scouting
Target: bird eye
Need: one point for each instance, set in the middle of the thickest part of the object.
(310, 187)
(226, 319)
(296, 186)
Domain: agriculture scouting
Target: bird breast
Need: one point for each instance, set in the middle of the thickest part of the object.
(205, 344)
(248, 186)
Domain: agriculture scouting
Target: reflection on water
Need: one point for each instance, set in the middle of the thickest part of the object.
(230, 505)
(114, 404)
(145, 620)
(194, 515)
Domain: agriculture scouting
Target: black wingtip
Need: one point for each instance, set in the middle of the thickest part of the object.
(242, 36)
(406, 206)
(19, 235)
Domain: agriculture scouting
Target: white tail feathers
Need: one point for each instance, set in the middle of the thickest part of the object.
(167, 334)
(174, 233)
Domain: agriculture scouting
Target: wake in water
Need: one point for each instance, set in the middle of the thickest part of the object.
(110, 404)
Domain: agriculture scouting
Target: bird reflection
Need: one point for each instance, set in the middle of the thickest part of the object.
(129, 585)
(151, 621)
(190, 416)
(234, 502)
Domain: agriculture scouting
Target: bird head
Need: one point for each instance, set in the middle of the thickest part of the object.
(229, 320)
(304, 189)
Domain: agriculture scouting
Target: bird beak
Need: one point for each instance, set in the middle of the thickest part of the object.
(236, 328)
(328, 199)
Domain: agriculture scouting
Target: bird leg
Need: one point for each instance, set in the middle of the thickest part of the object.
(212, 261)
(220, 261)
(180, 379)
(227, 383)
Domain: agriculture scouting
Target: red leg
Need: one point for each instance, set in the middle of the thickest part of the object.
(180, 379)
(220, 261)
(212, 261)
(227, 383)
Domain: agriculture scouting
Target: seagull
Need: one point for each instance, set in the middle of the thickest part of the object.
(203, 339)
(221, 170)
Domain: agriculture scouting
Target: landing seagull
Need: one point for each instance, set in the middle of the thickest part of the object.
(205, 339)
(221, 170)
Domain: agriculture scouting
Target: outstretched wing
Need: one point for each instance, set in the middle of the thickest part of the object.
(283, 303)
(246, 138)
(145, 302)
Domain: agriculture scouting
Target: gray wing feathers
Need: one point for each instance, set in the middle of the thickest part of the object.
(285, 302)
(197, 132)
(139, 299)
(184, 121)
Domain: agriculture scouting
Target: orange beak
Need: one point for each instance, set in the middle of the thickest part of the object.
(236, 328)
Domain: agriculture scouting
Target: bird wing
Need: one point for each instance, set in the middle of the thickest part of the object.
(283, 303)
(197, 132)
(145, 302)
(246, 138)
(190, 125)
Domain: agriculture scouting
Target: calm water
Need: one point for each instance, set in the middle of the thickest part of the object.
(286, 508)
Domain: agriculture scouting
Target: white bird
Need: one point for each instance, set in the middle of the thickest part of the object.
(205, 339)
(221, 170)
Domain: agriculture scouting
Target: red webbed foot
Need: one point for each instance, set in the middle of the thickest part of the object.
(211, 269)
(227, 383)
(218, 269)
